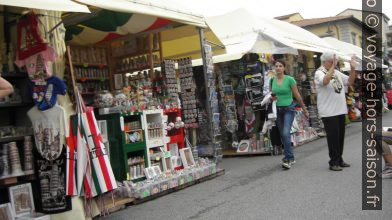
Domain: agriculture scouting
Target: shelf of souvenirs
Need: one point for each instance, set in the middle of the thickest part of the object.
(138, 69)
(14, 138)
(24, 173)
(133, 130)
(135, 54)
(83, 79)
(88, 65)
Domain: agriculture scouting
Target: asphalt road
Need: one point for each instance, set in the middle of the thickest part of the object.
(258, 188)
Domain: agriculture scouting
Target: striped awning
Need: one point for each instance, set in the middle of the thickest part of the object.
(122, 17)
(108, 25)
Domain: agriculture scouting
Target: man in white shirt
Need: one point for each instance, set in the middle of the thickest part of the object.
(332, 107)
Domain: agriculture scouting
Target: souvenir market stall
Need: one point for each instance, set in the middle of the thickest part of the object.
(243, 72)
(145, 104)
(138, 147)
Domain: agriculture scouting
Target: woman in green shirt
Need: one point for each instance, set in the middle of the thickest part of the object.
(283, 89)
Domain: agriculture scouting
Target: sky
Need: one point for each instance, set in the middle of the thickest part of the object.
(274, 8)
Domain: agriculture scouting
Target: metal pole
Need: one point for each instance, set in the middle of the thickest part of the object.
(213, 141)
(71, 70)
(203, 56)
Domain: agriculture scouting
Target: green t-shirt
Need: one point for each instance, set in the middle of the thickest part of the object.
(283, 92)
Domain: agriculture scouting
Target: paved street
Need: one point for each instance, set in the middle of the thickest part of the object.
(258, 188)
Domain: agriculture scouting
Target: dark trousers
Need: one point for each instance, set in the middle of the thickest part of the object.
(275, 136)
(335, 128)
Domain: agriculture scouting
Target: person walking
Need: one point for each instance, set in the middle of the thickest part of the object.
(332, 107)
(283, 88)
(384, 148)
(5, 88)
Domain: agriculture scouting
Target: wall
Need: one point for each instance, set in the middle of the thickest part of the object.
(341, 31)
(345, 31)
(185, 42)
(295, 17)
(358, 15)
(353, 28)
(321, 30)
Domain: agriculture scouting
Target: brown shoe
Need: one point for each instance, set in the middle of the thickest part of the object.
(335, 168)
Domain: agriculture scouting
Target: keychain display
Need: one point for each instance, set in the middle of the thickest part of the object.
(169, 71)
(254, 82)
(227, 99)
(188, 93)
(213, 104)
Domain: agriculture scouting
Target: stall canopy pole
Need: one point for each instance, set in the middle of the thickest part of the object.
(218, 45)
(203, 56)
(71, 69)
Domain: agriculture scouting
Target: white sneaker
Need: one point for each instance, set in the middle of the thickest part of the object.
(286, 164)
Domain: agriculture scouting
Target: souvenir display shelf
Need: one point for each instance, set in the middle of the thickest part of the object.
(121, 150)
(134, 147)
(10, 176)
(13, 127)
(176, 135)
(92, 72)
(155, 135)
(136, 54)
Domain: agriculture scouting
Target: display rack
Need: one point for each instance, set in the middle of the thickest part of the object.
(155, 136)
(176, 135)
(121, 150)
(13, 116)
(134, 147)
(135, 54)
(92, 72)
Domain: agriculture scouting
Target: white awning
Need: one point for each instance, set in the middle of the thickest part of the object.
(162, 9)
(345, 48)
(272, 36)
(54, 5)
(349, 50)
(292, 36)
(242, 32)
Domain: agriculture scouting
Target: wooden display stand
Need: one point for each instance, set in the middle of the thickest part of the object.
(131, 55)
(120, 149)
(91, 70)
(136, 148)
(155, 138)
(176, 135)
(14, 114)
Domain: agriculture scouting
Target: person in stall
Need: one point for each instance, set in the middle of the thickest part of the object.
(5, 88)
(332, 107)
(284, 88)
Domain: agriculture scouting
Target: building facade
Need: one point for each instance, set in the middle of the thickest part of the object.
(385, 27)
